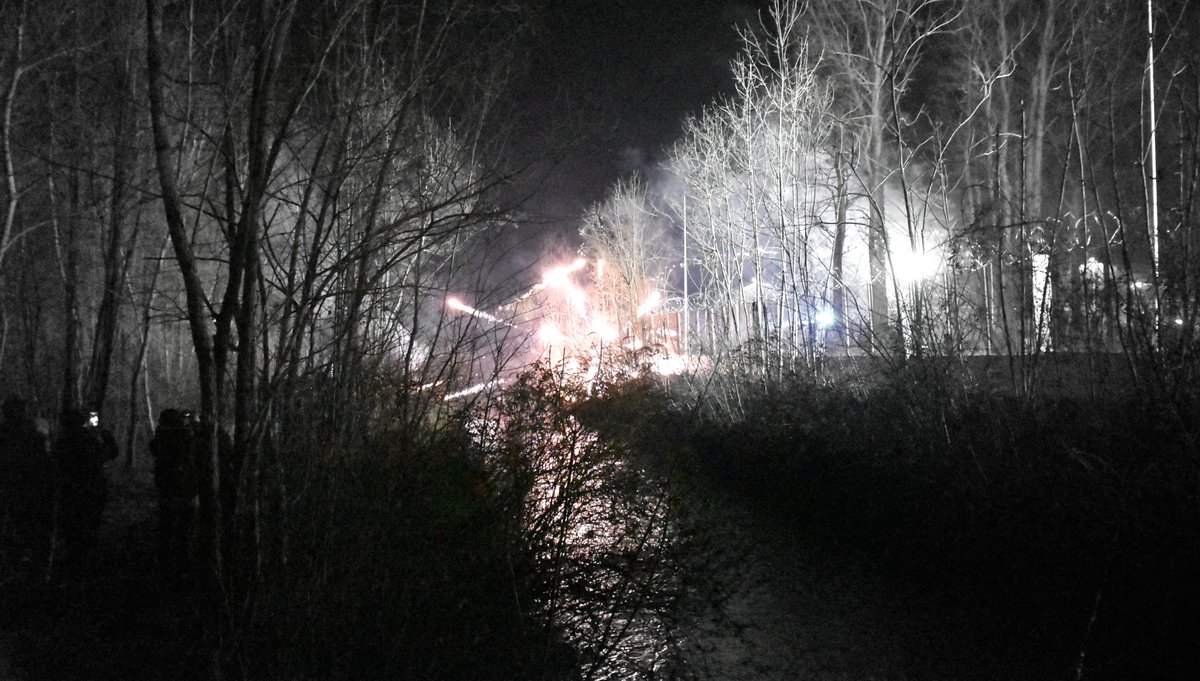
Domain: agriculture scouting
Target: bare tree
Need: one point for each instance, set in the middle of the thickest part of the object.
(344, 171)
(626, 233)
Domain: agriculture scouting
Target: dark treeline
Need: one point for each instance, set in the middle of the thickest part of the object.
(253, 211)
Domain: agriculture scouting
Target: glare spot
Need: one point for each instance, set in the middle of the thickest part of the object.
(825, 318)
(911, 267)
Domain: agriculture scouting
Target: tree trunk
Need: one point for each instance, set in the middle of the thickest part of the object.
(877, 238)
(196, 301)
(115, 261)
(11, 193)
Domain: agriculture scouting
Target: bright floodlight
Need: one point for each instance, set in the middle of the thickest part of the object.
(825, 318)
(911, 267)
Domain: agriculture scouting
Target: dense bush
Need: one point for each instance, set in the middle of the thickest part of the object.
(1073, 516)
(613, 558)
(507, 540)
(401, 568)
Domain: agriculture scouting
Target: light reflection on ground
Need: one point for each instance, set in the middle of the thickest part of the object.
(600, 532)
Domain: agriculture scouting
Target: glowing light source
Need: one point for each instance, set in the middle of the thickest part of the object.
(652, 301)
(456, 304)
(475, 389)
(911, 267)
(1178, 321)
(607, 332)
(551, 335)
(561, 276)
(825, 318)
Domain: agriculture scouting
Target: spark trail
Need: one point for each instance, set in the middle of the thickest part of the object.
(456, 304)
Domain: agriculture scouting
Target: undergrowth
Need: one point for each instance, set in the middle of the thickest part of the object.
(1071, 518)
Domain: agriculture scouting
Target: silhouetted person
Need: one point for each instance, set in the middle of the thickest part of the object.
(108, 441)
(27, 487)
(81, 451)
(174, 451)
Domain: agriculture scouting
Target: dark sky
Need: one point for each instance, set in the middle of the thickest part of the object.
(608, 84)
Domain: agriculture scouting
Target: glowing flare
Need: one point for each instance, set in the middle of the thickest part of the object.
(652, 301)
(825, 318)
(473, 390)
(561, 275)
(911, 267)
(578, 298)
(456, 304)
(607, 332)
(551, 335)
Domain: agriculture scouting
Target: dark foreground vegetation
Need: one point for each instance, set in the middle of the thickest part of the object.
(560, 535)
(502, 540)
(1063, 528)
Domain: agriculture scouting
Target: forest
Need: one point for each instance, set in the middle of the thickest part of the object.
(917, 295)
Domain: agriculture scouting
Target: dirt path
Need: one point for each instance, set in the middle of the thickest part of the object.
(797, 617)
(800, 612)
(114, 619)
(821, 614)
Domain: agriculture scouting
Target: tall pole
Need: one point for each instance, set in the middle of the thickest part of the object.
(686, 311)
(1152, 207)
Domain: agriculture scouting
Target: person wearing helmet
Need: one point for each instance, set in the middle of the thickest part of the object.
(80, 452)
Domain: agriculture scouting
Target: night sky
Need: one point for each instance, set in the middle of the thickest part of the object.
(609, 82)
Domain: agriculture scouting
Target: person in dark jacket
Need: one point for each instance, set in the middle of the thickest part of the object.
(27, 484)
(80, 451)
(174, 452)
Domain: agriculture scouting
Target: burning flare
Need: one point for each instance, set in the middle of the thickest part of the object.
(652, 302)
(456, 304)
